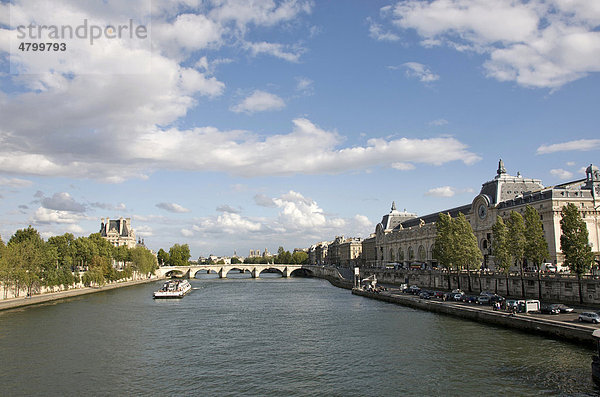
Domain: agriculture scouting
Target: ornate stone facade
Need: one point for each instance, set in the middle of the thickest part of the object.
(407, 240)
(118, 231)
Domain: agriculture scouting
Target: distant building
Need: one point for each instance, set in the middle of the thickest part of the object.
(118, 232)
(344, 252)
(258, 254)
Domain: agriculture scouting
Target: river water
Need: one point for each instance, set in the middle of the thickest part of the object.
(272, 337)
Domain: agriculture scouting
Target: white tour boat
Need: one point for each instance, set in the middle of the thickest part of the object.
(173, 289)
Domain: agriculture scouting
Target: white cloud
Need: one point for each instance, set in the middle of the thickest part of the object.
(76, 229)
(187, 233)
(172, 207)
(48, 216)
(438, 122)
(227, 208)
(377, 32)
(259, 101)
(442, 191)
(535, 43)
(304, 85)
(264, 201)
(229, 223)
(62, 202)
(579, 145)
(420, 72)
(561, 174)
(296, 211)
(144, 231)
(285, 52)
(15, 182)
(403, 166)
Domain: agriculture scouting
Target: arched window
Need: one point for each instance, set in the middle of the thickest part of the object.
(391, 255)
(422, 254)
(411, 254)
(400, 255)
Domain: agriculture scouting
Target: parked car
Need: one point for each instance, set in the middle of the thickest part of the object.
(413, 289)
(470, 298)
(438, 294)
(458, 296)
(589, 317)
(496, 298)
(483, 299)
(564, 308)
(550, 309)
(425, 295)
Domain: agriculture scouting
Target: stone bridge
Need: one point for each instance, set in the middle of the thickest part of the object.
(222, 270)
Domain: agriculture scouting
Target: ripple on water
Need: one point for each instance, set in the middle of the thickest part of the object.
(272, 337)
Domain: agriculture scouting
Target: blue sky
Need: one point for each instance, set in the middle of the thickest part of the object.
(233, 127)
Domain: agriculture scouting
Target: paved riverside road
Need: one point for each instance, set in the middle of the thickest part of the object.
(564, 318)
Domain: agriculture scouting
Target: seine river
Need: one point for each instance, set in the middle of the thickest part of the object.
(272, 337)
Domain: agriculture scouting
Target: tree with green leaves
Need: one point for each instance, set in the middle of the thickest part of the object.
(235, 260)
(142, 261)
(500, 248)
(163, 257)
(516, 243)
(299, 258)
(536, 246)
(467, 254)
(179, 255)
(443, 245)
(574, 243)
(283, 256)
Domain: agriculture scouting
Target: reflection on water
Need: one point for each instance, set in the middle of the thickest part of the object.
(272, 336)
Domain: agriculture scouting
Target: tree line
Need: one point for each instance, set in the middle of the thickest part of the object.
(179, 255)
(515, 242)
(27, 261)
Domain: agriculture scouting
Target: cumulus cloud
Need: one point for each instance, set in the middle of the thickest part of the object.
(576, 145)
(561, 174)
(442, 191)
(48, 216)
(172, 207)
(132, 96)
(259, 101)
(296, 211)
(229, 223)
(62, 202)
(535, 43)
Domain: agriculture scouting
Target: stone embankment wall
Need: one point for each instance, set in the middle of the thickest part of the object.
(546, 287)
(330, 274)
(576, 333)
(11, 292)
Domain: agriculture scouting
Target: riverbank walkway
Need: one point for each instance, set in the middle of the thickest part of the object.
(564, 326)
(23, 301)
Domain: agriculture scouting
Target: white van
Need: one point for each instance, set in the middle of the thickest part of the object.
(548, 267)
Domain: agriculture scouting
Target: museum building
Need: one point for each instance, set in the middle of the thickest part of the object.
(405, 239)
